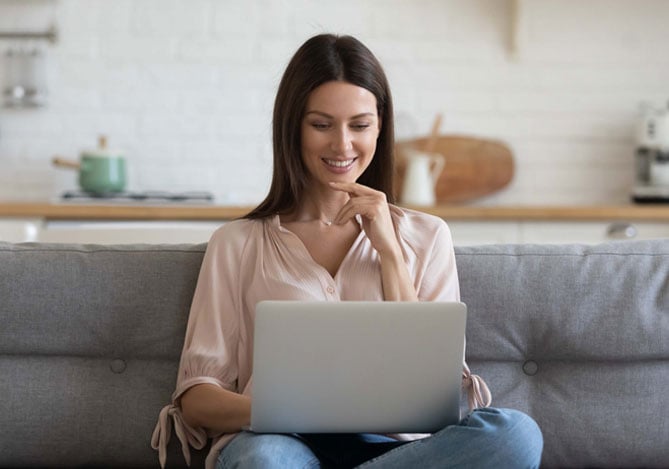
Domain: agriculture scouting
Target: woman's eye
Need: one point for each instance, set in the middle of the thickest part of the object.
(326, 126)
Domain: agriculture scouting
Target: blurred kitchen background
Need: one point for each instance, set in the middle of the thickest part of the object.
(185, 87)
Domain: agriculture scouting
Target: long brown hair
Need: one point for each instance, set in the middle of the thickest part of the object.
(320, 59)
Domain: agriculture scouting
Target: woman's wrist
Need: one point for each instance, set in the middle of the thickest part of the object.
(397, 284)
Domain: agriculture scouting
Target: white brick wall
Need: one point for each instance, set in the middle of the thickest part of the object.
(185, 87)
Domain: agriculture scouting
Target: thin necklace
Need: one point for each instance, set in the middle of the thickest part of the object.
(325, 222)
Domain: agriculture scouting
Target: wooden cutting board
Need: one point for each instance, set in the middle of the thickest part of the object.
(474, 167)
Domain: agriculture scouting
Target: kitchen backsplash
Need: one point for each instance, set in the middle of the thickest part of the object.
(185, 87)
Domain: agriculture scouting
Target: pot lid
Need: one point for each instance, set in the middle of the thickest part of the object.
(102, 151)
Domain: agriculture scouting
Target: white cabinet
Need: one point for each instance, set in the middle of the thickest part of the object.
(590, 232)
(130, 232)
(553, 232)
(464, 231)
(469, 233)
(652, 230)
(19, 230)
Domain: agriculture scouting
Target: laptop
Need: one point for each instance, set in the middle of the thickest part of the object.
(357, 367)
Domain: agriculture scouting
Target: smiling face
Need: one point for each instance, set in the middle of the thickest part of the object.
(339, 132)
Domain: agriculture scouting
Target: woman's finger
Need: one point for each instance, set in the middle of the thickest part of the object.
(352, 188)
(367, 206)
(353, 207)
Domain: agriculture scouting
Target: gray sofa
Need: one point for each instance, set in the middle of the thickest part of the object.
(576, 336)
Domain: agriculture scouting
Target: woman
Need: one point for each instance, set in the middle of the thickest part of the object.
(326, 231)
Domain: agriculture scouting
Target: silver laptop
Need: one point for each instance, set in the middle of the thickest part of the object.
(353, 367)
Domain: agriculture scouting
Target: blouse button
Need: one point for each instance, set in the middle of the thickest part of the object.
(330, 290)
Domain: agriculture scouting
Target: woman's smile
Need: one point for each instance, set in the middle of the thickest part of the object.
(339, 166)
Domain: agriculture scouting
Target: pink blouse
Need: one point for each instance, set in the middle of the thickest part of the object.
(247, 261)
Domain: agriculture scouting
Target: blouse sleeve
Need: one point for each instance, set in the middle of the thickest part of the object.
(440, 283)
(440, 279)
(210, 347)
(209, 353)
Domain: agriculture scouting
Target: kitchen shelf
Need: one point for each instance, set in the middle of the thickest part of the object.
(85, 211)
(50, 35)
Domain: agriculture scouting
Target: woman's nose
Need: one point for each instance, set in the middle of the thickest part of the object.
(342, 140)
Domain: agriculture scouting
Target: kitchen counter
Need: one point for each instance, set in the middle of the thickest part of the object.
(118, 211)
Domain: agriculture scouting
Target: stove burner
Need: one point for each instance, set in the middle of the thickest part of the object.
(650, 194)
(141, 196)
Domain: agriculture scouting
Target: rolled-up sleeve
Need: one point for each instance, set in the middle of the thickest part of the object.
(210, 348)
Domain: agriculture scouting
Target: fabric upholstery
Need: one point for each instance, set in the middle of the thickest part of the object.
(576, 336)
(90, 339)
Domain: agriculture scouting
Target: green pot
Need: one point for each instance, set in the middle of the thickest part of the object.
(101, 174)
(100, 170)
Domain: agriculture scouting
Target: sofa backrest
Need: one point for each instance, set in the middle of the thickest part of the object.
(576, 336)
(90, 339)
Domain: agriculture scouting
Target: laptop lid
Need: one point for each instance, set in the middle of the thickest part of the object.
(352, 367)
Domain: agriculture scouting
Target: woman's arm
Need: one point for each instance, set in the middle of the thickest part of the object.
(372, 206)
(397, 284)
(216, 409)
(208, 372)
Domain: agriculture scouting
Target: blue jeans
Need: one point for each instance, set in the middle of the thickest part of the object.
(489, 437)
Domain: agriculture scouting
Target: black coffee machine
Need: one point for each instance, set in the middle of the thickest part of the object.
(652, 155)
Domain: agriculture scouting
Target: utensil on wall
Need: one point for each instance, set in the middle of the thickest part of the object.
(100, 170)
(25, 84)
(434, 135)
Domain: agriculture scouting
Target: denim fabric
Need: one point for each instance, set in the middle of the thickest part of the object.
(500, 438)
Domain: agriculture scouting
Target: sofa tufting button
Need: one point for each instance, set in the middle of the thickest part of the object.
(530, 367)
(117, 365)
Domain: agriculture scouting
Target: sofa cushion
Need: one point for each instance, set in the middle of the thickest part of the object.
(578, 337)
(89, 348)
